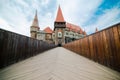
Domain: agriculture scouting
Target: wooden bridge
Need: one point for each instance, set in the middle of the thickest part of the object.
(58, 64)
(94, 57)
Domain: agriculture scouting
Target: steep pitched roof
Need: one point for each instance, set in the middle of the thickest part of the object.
(48, 30)
(74, 27)
(59, 17)
(35, 21)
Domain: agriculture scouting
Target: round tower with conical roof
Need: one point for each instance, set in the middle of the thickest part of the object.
(35, 27)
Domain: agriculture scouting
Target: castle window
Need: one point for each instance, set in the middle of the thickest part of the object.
(59, 34)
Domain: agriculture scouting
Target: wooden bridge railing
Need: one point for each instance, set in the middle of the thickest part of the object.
(15, 47)
(102, 47)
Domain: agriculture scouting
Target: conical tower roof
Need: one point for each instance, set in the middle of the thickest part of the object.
(35, 21)
(59, 17)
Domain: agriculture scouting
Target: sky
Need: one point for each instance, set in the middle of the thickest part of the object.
(17, 15)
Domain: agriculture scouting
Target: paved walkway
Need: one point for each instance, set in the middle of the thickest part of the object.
(58, 64)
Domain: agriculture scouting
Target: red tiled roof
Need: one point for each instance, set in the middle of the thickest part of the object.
(48, 30)
(59, 17)
(74, 27)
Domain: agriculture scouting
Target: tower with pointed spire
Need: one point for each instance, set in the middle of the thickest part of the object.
(59, 28)
(35, 27)
(64, 32)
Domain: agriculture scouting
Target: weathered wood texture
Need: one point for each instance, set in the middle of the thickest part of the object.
(58, 64)
(15, 47)
(102, 47)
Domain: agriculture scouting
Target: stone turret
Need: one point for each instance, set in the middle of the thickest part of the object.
(34, 27)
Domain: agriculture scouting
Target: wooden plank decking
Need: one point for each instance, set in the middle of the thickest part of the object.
(58, 64)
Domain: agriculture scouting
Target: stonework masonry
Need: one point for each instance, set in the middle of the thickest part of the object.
(62, 33)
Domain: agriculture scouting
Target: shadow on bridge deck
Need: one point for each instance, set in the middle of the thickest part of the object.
(58, 64)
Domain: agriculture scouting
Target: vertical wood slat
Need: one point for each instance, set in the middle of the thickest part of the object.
(117, 46)
(109, 47)
(15, 47)
(103, 47)
(94, 48)
(91, 47)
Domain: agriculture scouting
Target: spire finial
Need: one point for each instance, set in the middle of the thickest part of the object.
(59, 6)
(35, 21)
(36, 11)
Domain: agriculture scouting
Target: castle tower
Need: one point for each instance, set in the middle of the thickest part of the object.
(35, 27)
(59, 28)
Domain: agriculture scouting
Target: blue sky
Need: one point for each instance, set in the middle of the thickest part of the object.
(17, 15)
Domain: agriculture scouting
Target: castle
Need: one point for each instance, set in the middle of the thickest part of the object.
(63, 32)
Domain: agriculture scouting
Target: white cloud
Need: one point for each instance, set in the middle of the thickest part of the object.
(6, 26)
(20, 14)
(45, 21)
(14, 16)
(11, 27)
(45, 2)
(78, 11)
(107, 19)
(81, 11)
(22, 3)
